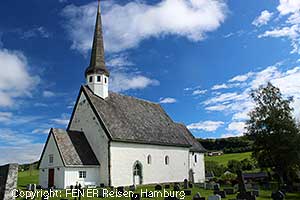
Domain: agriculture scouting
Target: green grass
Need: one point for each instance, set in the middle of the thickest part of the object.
(223, 159)
(25, 178)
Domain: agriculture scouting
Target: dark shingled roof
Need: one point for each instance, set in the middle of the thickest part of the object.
(74, 148)
(196, 146)
(97, 63)
(129, 119)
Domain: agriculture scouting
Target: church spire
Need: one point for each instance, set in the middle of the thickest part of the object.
(97, 74)
(97, 63)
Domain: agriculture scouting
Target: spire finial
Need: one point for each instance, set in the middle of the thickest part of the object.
(97, 63)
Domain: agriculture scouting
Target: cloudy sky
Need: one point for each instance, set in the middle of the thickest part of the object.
(198, 58)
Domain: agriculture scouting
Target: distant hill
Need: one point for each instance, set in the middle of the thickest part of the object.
(228, 145)
(25, 167)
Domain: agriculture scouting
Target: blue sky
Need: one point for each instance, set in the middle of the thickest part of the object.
(198, 58)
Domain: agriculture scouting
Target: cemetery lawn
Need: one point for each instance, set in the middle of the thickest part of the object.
(223, 159)
(25, 178)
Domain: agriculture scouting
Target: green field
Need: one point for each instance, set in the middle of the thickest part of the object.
(223, 159)
(25, 178)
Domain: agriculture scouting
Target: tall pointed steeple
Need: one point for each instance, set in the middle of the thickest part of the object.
(97, 74)
(97, 63)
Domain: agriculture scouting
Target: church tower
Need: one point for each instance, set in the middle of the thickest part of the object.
(96, 73)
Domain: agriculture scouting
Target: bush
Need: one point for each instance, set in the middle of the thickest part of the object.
(234, 166)
(215, 167)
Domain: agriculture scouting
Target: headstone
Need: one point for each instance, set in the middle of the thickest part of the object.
(185, 184)
(101, 193)
(217, 187)
(8, 181)
(176, 187)
(102, 185)
(188, 192)
(132, 188)
(29, 187)
(221, 193)
(121, 189)
(214, 197)
(246, 196)
(229, 190)
(33, 187)
(167, 186)
(200, 185)
(209, 186)
(248, 186)
(158, 187)
(242, 187)
(197, 196)
(277, 195)
(190, 185)
(255, 193)
(135, 196)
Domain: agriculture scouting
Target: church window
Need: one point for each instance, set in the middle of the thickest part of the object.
(167, 160)
(195, 158)
(82, 174)
(98, 78)
(149, 159)
(91, 79)
(51, 158)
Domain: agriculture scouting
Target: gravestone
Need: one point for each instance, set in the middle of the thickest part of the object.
(277, 195)
(221, 193)
(243, 194)
(101, 193)
(190, 185)
(255, 193)
(229, 190)
(132, 188)
(185, 184)
(187, 192)
(135, 196)
(214, 197)
(158, 187)
(217, 187)
(209, 186)
(8, 181)
(167, 186)
(29, 187)
(176, 187)
(197, 196)
(102, 185)
(33, 187)
(120, 189)
(200, 185)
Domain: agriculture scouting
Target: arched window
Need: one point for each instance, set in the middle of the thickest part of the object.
(167, 160)
(91, 79)
(98, 78)
(149, 160)
(196, 158)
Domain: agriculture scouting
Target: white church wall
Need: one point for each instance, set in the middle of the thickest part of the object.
(197, 165)
(85, 120)
(124, 155)
(72, 176)
(100, 88)
(45, 165)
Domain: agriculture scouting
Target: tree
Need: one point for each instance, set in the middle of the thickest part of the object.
(234, 166)
(274, 131)
(215, 167)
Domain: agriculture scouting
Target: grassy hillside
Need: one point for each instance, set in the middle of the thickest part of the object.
(226, 157)
(26, 177)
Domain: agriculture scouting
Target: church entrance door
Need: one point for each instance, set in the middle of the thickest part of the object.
(137, 173)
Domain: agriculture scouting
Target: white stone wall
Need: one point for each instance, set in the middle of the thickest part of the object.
(197, 167)
(72, 176)
(124, 155)
(85, 120)
(57, 165)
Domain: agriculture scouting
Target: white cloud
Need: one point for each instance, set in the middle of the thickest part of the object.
(21, 154)
(288, 6)
(41, 131)
(241, 78)
(263, 19)
(125, 26)
(5, 116)
(48, 94)
(36, 32)
(119, 61)
(63, 120)
(121, 81)
(199, 92)
(236, 127)
(218, 87)
(208, 126)
(16, 82)
(167, 100)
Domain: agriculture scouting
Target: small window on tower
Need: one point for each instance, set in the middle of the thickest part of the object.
(98, 78)
(91, 79)
(105, 80)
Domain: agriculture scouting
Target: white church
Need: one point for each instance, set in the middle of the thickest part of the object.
(117, 140)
